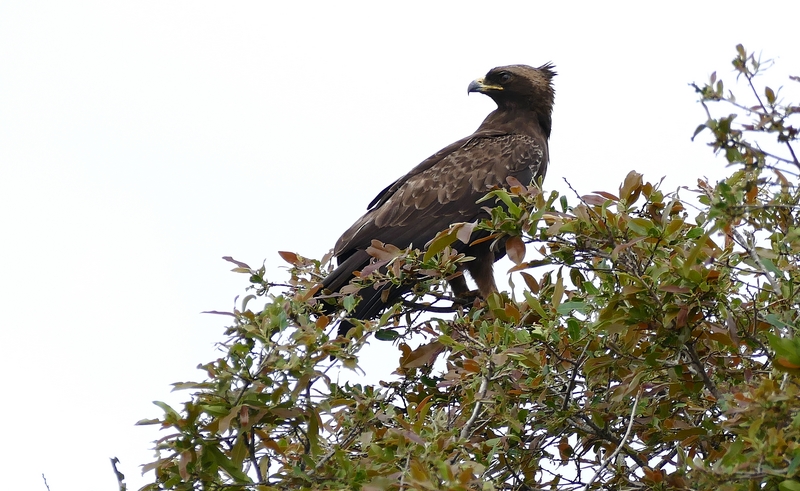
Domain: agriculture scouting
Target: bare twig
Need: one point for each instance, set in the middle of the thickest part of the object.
(756, 259)
(702, 371)
(621, 443)
(45, 482)
(252, 450)
(575, 368)
(749, 77)
(429, 308)
(481, 394)
(403, 474)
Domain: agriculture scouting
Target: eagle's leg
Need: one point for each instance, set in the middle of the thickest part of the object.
(459, 286)
(482, 269)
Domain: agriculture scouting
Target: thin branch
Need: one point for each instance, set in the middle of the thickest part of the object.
(405, 471)
(621, 443)
(571, 385)
(252, 450)
(429, 308)
(606, 435)
(749, 77)
(702, 371)
(481, 394)
(45, 482)
(754, 255)
(765, 153)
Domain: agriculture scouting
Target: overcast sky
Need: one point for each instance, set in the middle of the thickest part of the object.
(142, 141)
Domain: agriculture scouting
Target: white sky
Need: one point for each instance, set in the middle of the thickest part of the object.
(141, 141)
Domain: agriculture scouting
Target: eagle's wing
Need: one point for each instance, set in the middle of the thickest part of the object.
(444, 189)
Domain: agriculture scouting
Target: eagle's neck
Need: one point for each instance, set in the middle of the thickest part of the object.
(515, 119)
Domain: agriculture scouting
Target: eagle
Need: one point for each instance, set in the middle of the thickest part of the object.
(444, 188)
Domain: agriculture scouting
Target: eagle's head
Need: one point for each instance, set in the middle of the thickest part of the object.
(505, 84)
(520, 87)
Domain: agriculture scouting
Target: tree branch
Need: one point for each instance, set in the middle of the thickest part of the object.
(698, 364)
(621, 443)
(481, 394)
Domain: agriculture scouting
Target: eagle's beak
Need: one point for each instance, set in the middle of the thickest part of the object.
(481, 86)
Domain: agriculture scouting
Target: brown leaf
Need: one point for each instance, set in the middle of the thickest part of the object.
(322, 322)
(311, 292)
(606, 195)
(422, 356)
(558, 291)
(289, 257)
(533, 285)
(184, 458)
(683, 314)
(513, 182)
(515, 248)
(564, 449)
(372, 267)
(631, 187)
(593, 199)
(674, 289)
(484, 239)
(471, 365)
(383, 252)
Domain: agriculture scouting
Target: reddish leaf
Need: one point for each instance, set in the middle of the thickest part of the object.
(531, 282)
(422, 356)
(471, 365)
(593, 199)
(234, 261)
(606, 195)
(515, 248)
(289, 257)
(631, 187)
(674, 289)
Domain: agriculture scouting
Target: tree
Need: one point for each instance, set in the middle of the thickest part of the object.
(650, 347)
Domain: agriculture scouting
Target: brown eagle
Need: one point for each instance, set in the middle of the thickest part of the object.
(443, 189)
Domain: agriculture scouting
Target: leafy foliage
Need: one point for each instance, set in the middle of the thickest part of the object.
(649, 348)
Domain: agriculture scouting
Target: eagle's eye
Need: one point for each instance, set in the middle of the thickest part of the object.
(504, 77)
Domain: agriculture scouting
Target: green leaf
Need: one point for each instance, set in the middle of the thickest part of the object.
(577, 305)
(640, 226)
(734, 454)
(442, 240)
(502, 195)
(172, 415)
(574, 329)
(698, 130)
(349, 303)
(775, 321)
(386, 335)
(794, 464)
(789, 485)
(770, 95)
(534, 303)
(771, 267)
(694, 233)
(225, 463)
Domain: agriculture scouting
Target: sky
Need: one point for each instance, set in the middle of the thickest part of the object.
(142, 141)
